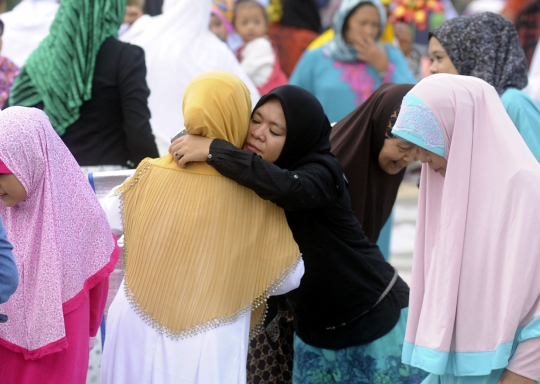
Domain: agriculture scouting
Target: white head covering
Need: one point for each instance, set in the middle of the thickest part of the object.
(178, 47)
(25, 26)
(533, 89)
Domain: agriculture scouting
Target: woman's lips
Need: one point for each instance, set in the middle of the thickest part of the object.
(252, 148)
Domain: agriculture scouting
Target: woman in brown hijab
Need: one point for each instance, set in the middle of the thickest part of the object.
(373, 160)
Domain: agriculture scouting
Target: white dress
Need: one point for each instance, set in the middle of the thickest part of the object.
(134, 352)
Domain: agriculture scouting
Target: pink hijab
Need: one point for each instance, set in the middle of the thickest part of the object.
(63, 245)
(475, 292)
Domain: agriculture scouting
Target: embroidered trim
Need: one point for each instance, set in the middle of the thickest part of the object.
(199, 328)
(215, 323)
(417, 124)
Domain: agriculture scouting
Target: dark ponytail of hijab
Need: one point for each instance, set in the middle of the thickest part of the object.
(308, 132)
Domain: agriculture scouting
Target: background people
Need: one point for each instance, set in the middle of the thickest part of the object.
(486, 46)
(257, 56)
(343, 73)
(178, 47)
(26, 26)
(91, 86)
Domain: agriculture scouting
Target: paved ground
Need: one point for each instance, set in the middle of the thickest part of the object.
(403, 231)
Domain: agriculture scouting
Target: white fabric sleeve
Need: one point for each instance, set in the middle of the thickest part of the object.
(257, 59)
(533, 88)
(293, 281)
(111, 206)
(526, 359)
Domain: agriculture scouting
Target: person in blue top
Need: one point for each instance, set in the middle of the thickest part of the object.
(9, 276)
(486, 45)
(344, 72)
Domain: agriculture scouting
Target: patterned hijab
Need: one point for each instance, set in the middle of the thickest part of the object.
(337, 48)
(418, 125)
(60, 71)
(62, 242)
(485, 45)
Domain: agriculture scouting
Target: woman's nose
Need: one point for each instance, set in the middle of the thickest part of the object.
(433, 68)
(259, 134)
(410, 155)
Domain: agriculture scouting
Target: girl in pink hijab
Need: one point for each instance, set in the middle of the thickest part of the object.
(63, 248)
(474, 311)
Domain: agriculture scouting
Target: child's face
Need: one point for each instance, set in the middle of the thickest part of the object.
(217, 27)
(249, 22)
(12, 191)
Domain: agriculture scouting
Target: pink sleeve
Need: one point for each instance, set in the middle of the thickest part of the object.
(525, 361)
(98, 298)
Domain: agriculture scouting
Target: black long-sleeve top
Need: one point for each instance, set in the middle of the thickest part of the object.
(114, 126)
(345, 274)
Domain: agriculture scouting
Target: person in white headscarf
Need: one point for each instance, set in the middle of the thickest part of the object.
(533, 88)
(25, 27)
(179, 46)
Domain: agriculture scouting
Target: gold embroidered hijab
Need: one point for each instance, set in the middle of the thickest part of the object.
(200, 249)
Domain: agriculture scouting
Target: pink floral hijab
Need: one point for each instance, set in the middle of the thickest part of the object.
(475, 291)
(63, 245)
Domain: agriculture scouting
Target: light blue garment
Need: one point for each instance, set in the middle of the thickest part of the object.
(468, 364)
(337, 48)
(341, 86)
(9, 276)
(492, 378)
(418, 125)
(525, 114)
(385, 237)
(375, 362)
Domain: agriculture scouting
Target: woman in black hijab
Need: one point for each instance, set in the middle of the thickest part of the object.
(351, 307)
(373, 159)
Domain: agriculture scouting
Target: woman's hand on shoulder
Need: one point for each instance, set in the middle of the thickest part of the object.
(509, 377)
(190, 148)
(370, 52)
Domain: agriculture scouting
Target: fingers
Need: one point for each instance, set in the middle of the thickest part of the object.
(177, 144)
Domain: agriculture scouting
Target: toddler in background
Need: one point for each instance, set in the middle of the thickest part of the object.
(219, 24)
(257, 56)
(134, 11)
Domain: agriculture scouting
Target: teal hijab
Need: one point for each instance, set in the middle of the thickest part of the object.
(418, 125)
(60, 71)
(337, 48)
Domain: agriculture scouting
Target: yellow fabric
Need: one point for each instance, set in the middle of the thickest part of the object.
(274, 11)
(387, 37)
(199, 248)
(324, 38)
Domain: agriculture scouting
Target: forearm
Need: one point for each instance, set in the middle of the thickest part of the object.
(9, 275)
(291, 190)
(526, 360)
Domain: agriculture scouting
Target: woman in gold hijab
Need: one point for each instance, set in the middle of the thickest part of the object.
(185, 316)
